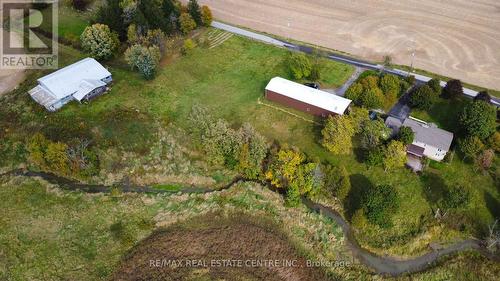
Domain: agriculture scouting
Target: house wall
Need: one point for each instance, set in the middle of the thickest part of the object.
(305, 107)
(432, 152)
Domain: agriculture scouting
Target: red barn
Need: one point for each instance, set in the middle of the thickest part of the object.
(305, 98)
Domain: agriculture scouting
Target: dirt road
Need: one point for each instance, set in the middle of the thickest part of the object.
(458, 38)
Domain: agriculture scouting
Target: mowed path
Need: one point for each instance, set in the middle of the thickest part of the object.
(459, 38)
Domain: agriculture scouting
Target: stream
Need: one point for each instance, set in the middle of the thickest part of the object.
(383, 265)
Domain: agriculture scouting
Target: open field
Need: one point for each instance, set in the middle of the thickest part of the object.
(212, 239)
(457, 39)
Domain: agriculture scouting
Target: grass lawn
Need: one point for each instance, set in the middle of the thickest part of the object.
(229, 80)
(445, 113)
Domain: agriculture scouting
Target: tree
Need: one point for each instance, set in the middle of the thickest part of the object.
(478, 119)
(406, 135)
(485, 159)
(483, 96)
(195, 12)
(80, 5)
(375, 157)
(372, 98)
(206, 16)
(144, 59)
(337, 134)
(315, 71)
(358, 115)
(435, 85)
(300, 65)
(410, 79)
(453, 89)
(373, 133)
(354, 92)
(390, 84)
(395, 155)
(342, 184)
(252, 152)
(379, 204)
(387, 61)
(132, 36)
(471, 146)
(98, 41)
(111, 14)
(187, 24)
(423, 98)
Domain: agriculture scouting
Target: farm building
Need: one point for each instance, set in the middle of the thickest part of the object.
(305, 98)
(80, 81)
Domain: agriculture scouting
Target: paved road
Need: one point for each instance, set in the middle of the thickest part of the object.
(341, 58)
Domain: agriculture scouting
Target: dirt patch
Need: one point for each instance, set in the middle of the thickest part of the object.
(213, 239)
(454, 38)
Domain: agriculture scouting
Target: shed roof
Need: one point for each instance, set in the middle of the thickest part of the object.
(430, 135)
(318, 98)
(66, 81)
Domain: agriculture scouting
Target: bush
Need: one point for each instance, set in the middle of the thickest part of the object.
(375, 157)
(405, 135)
(478, 119)
(99, 42)
(394, 155)
(455, 197)
(300, 65)
(188, 46)
(337, 181)
(187, 24)
(483, 96)
(144, 59)
(206, 16)
(485, 159)
(471, 146)
(379, 204)
(423, 98)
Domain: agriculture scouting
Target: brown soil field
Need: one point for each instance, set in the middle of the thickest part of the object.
(209, 240)
(455, 38)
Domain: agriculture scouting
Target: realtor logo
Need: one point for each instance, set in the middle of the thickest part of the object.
(28, 35)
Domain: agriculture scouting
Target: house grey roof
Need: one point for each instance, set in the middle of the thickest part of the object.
(42, 96)
(429, 134)
(66, 81)
(87, 86)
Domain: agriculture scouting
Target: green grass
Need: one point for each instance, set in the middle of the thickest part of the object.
(445, 113)
(229, 80)
(71, 23)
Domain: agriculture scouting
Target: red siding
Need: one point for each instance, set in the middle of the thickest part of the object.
(302, 106)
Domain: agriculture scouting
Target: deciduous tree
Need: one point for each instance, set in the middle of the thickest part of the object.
(423, 98)
(395, 155)
(453, 89)
(187, 24)
(478, 119)
(300, 65)
(337, 134)
(206, 16)
(406, 135)
(99, 42)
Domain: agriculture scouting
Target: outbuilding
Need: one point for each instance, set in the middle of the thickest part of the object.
(305, 98)
(80, 81)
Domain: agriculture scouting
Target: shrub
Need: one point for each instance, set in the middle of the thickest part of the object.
(337, 181)
(410, 80)
(494, 142)
(471, 146)
(455, 197)
(144, 59)
(99, 42)
(300, 65)
(478, 119)
(187, 24)
(206, 16)
(405, 135)
(315, 72)
(423, 98)
(379, 203)
(485, 159)
(188, 46)
(375, 157)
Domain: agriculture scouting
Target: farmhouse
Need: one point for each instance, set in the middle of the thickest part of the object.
(80, 81)
(305, 98)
